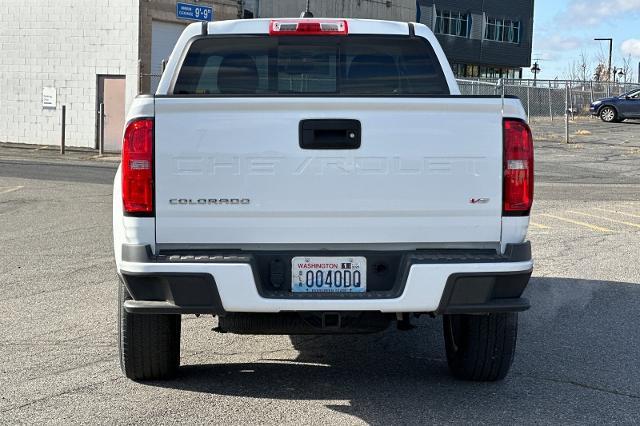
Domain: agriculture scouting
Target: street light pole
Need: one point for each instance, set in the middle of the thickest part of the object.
(535, 69)
(610, 40)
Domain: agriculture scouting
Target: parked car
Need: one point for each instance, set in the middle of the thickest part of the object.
(617, 108)
(321, 176)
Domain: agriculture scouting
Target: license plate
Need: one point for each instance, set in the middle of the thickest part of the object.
(329, 274)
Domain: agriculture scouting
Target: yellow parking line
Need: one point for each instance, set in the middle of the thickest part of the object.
(537, 225)
(577, 222)
(637, 225)
(615, 211)
(11, 189)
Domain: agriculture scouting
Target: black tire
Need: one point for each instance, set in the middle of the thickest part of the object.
(608, 114)
(480, 347)
(149, 344)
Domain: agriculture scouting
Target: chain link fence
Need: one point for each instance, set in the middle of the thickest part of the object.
(548, 98)
(148, 83)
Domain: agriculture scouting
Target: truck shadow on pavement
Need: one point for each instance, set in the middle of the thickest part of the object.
(577, 352)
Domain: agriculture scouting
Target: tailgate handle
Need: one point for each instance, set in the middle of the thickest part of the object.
(329, 134)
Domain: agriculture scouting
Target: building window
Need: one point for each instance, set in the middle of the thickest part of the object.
(452, 23)
(503, 30)
(458, 70)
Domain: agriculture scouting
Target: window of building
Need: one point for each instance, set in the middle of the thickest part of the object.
(503, 30)
(458, 70)
(471, 71)
(452, 23)
(475, 71)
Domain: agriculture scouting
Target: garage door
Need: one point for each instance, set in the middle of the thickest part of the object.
(163, 37)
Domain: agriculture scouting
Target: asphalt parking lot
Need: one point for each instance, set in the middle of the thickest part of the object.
(578, 348)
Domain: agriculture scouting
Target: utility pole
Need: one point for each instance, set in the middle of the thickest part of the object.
(610, 40)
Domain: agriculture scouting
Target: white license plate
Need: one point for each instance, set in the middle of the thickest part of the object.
(329, 274)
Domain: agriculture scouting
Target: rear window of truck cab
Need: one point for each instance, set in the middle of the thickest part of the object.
(356, 65)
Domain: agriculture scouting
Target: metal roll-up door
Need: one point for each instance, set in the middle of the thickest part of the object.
(164, 36)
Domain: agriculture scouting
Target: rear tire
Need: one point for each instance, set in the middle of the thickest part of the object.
(480, 347)
(608, 114)
(149, 343)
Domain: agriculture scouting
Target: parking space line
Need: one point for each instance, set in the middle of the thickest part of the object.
(577, 222)
(10, 189)
(636, 225)
(539, 226)
(620, 213)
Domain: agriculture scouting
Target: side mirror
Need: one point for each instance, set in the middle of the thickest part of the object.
(627, 97)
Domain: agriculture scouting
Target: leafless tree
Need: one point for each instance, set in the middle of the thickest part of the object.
(584, 65)
(573, 71)
(579, 69)
(627, 68)
(601, 71)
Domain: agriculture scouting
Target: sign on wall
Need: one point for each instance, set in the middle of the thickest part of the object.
(49, 98)
(194, 12)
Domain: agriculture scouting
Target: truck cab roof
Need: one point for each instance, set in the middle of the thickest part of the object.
(265, 26)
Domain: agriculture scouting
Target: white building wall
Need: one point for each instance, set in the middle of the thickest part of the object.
(63, 44)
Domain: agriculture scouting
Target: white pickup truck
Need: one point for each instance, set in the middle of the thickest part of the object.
(311, 176)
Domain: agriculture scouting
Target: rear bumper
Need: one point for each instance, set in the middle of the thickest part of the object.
(439, 282)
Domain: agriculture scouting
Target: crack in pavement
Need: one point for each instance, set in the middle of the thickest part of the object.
(578, 384)
(57, 394)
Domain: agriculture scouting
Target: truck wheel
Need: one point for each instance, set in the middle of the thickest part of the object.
(149, 343)
(480, 347)
(608, 114)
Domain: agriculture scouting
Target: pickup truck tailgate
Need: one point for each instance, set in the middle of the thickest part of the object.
(232, 171)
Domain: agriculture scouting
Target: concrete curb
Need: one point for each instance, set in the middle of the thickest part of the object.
(47, 154)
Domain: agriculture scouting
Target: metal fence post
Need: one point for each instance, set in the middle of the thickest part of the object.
(63, 129)
(139, 76)
(591, 91)
(550, 106)
(101, 129)
(528, 105)
(570, 91)
(566, 113)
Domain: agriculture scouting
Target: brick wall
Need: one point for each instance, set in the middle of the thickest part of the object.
(62, 44)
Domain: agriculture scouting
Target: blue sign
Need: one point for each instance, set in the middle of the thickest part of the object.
(194, 12)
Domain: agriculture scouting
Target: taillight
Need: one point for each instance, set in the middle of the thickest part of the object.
(308, 27)
(137, 168)
(517, 192)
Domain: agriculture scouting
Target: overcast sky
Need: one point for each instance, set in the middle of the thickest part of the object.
(565, 28)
